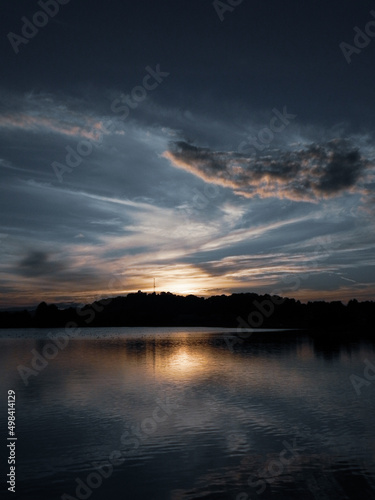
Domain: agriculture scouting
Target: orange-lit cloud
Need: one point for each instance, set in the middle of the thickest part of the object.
(316, 172)
(89, 128)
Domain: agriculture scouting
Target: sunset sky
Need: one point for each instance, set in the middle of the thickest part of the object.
(218, 147)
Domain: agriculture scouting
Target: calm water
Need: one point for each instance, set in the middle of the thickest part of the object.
(182, 416)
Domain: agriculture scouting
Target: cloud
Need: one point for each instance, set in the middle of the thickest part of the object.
(38, 263)
(47, 114)
(88, 128)
(309, 174)
(126, 212)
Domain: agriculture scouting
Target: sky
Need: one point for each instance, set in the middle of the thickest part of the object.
(215, 147)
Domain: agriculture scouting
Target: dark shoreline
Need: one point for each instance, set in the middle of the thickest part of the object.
(237, 311)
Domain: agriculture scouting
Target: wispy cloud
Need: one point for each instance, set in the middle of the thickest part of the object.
(129, 213)
(46, 114)
(89, 128)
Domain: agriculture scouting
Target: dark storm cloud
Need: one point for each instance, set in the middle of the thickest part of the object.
(343, 169)
(317, 171)
(42, 267)
(38, 263)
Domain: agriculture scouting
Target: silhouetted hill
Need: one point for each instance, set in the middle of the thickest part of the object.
(244, 310)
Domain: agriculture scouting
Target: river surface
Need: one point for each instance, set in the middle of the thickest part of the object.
(187, 413)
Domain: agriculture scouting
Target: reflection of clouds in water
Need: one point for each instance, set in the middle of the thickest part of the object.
(251, 474)
(197, 410)
(237, 442)
(234, 410)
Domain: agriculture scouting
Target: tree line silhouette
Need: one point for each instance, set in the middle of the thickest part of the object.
(166, 309)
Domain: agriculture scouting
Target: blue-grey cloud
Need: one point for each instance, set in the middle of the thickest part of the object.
(37, 263)
(315, 172)
(126, 211)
